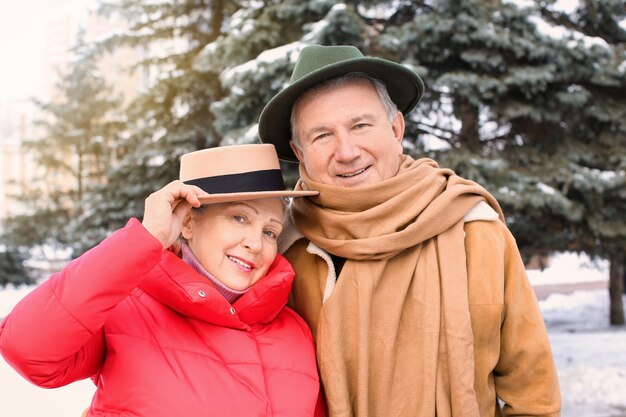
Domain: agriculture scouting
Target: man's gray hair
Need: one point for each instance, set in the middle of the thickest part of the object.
(335, 83)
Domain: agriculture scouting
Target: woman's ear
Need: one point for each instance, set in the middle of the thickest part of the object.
(187, 230)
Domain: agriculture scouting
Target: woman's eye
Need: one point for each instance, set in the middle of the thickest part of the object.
(239, 219)
(270, 233)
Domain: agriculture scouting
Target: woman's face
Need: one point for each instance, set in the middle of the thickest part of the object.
(236, 242)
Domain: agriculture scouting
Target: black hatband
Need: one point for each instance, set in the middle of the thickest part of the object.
(254, 181)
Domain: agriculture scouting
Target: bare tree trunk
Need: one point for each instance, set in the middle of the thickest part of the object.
(616, 289)
(468, 115)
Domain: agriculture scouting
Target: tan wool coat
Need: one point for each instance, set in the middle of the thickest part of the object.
(391, 345)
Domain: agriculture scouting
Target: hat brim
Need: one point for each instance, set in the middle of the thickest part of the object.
(257, 195)
(405, 88)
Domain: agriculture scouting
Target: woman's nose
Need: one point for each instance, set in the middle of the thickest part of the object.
(253, 241)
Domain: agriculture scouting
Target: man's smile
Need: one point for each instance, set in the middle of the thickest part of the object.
(354, 173)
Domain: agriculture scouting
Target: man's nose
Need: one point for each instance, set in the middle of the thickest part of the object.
(347, 148)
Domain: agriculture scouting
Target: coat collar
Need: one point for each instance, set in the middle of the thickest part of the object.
(180, 287)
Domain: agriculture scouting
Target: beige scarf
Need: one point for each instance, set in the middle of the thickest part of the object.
(395, 337)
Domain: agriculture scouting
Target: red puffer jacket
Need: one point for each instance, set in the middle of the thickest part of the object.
(159, 340)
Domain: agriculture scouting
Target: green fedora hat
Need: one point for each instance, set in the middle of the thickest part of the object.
(317, 64)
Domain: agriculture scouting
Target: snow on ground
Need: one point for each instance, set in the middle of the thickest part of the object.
(590, 354)
(568, 268)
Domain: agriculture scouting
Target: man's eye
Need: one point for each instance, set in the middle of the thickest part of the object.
(321, 136)
(360, 125)
(239, 219)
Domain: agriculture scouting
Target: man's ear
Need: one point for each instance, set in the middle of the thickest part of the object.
(296, 150)
(397, 125)
(187, 230)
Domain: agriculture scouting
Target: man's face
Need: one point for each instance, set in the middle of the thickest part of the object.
(346, 138)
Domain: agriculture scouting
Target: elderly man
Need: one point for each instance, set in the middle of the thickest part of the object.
(406, 273)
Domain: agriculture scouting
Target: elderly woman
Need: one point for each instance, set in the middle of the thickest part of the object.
(183, 314)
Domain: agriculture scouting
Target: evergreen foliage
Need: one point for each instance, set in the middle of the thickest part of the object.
(172, 115)
(12, 269)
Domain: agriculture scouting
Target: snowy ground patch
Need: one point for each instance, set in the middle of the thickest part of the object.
(589, 354)
(569, 268)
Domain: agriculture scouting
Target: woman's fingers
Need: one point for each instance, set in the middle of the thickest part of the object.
(177, 191)
(192, 194)
(165, 209)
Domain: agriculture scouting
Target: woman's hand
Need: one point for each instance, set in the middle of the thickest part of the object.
(166, 208)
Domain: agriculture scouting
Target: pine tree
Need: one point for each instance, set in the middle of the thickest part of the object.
(12, 269)
(172, 116)
(554, 157)
(600, 123)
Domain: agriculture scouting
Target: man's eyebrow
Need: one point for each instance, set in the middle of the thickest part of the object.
(367, 117)
(316, 129)
(359, 118)
(312, 132)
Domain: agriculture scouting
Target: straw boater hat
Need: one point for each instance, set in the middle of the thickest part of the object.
(317, 64)
(235, 173)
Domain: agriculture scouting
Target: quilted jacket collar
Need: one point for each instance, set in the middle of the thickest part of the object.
(180, 287)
